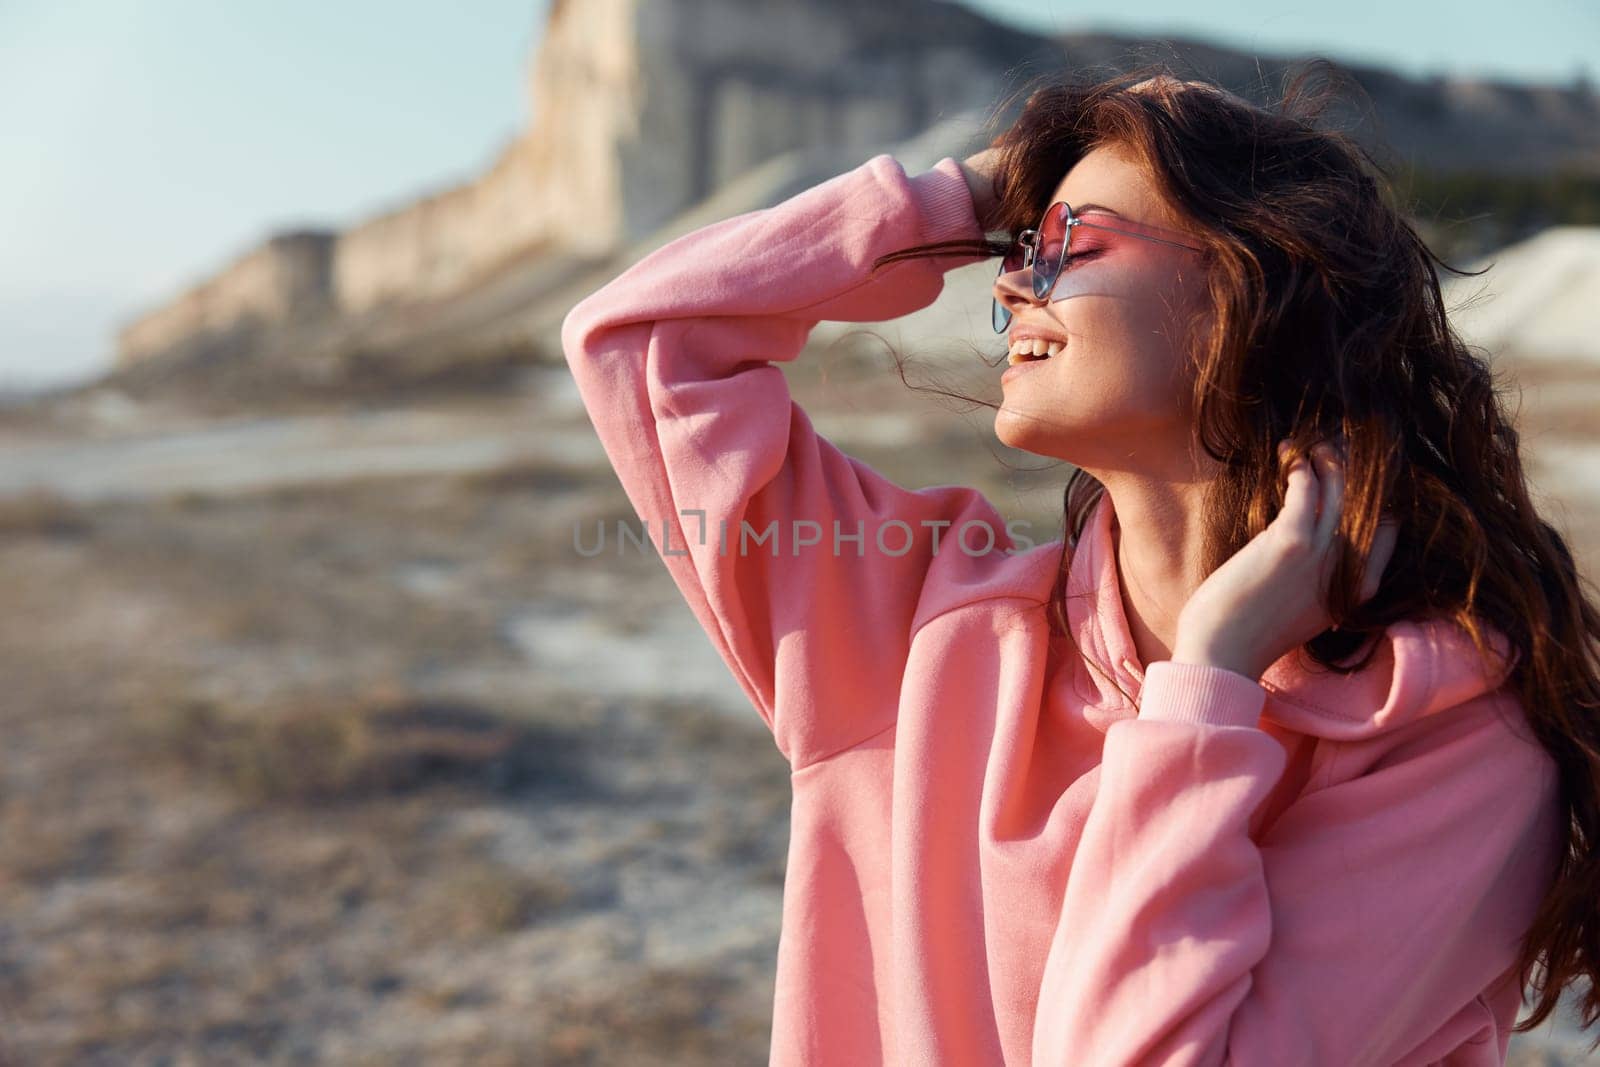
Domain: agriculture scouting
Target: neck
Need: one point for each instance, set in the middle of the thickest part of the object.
(1157, 540)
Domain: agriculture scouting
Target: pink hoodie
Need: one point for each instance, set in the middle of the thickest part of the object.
(994, 857)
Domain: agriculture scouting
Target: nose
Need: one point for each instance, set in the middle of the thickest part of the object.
(1013, 290)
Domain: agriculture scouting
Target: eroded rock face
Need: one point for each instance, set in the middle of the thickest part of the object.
(642, 108)
(287, 274)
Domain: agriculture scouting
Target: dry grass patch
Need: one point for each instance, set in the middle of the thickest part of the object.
(42, 513)
(326, 748)
(481, 898)
(661, 1015)
(526, 476)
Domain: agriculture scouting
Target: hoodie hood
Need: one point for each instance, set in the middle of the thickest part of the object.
(1420, 668)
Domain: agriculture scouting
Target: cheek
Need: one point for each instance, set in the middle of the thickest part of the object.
(1125, 356)
(1129, 317)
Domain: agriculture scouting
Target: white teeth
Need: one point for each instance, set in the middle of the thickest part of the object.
(1031, 347)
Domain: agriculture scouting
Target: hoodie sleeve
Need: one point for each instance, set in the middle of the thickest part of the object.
(803, 565)
(1370, 926)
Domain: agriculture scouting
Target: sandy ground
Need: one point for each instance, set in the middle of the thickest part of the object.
(324, 745)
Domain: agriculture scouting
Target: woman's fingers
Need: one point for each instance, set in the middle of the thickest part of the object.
(1314, 504)
(1383, 543)
(1314, 495)
(1330, 474)
(1299, 514)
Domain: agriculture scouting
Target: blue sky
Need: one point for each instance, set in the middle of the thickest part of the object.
(144, 143)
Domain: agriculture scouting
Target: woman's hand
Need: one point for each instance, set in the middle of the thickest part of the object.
(1270, 597)
(979, 170)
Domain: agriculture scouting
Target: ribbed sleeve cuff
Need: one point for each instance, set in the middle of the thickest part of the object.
(948, 213)
(1201, 694)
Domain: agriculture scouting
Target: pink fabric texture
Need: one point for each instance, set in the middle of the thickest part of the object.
(996, 857)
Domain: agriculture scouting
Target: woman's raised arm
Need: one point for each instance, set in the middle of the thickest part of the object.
(675, 361)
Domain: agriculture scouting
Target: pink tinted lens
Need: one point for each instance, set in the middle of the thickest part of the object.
(1053, 237)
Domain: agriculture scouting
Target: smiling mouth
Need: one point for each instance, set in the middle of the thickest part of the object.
(1029, 349)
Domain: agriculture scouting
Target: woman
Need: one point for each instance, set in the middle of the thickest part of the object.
(1286, 755)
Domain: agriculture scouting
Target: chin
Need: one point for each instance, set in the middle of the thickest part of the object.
(1016, 430)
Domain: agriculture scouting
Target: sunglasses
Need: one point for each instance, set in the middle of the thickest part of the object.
(1047, 249)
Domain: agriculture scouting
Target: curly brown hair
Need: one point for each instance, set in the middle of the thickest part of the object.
(1307, 251)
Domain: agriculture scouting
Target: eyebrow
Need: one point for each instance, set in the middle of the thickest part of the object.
(1079, 209)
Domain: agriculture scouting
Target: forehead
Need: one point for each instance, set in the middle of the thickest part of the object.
(1112, 176)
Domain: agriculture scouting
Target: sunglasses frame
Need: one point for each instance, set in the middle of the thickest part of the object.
(1045, 282)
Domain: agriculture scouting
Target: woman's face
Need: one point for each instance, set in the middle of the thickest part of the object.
(1116, 397)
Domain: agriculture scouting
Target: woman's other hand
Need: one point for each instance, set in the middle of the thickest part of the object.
(979, 170)
(1270, 597)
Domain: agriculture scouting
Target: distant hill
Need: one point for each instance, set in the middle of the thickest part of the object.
(1537, 300)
